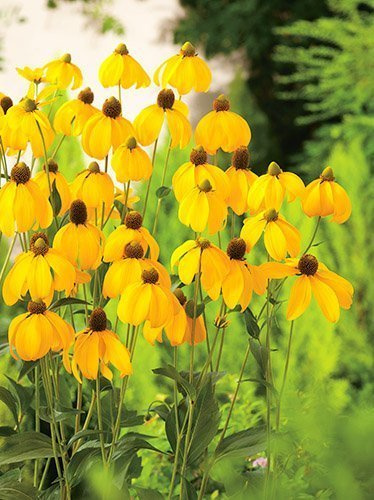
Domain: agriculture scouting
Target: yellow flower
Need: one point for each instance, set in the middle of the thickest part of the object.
(23, 205)
(130, 162)
(41, 271)
(62, 72)
(96, 347)
(202, 207)
(94, 187)
(324, 197)
(330, 290)
(184, 71)
(222, 128)
(243, 278)
(214, 264)
(71, 117)
(149, 121)
(270, 189)
(241, 179)
(35, 75)
(58, 180)
(121, 68)
(106, 129)
(38, 331)
(130, 230)
(280, 236)
(196, 171)
(78, 240)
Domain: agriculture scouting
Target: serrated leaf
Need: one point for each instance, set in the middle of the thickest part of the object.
(251, 324)
(26, 446)
(66, 301)
(241, 444)
(162, 192)
(10, 402)
(170, 372)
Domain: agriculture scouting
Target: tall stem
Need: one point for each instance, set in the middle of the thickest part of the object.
(100, 419)
(313, 235)
(177, 427)
(37, 419)
(7, 258)
(150, 179)
(285, 372)
(162, 183)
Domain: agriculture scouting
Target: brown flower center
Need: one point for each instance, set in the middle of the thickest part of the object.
(221, 103)
(52, 166)
(20, 173)
(29, 105)
(97, 321)
(6, 103)
(166, 98)
(203, 243)
(274, 169)
(112, 107)
(150, 276)
(39, 243)
(178, 292)
(188, 50)
(36, 307)
(205, 186)
(134, 250)
(236, 249)
(327, 174)
(198, 156)
(94, 167)
(78, 212)
(131, 143)
(121, 49)
(271, 215)
(308, 265)
(133, 220)
(86, 95)
(240, 158)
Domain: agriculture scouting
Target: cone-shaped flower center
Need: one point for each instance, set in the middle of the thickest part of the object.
(274, 169)
(328, 174)
(97, 321)
(35, 307)
(240, 158)
(198, 156)
(86, 95)
(150, 276)
(178, 292)
(94, 168)
(112, 107)
(236, 249)
(134, 250)
(131, 143)
(121, 49)
(203, 243)
(133, 220)
(166, 98)
(308, 265)
(221, 103)
(6, 103)
(29, 105)
(20, 173)
(188, 50)
(66, 58)
(52, 166)
(78, 212)
(205, 186)
(271, 215)
(39, 244)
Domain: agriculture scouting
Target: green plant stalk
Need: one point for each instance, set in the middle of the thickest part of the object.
(37, 420)
(60, 143)
(44, 475)
(7, 257)
(159, 201)
(87, 420)
(222, 341)
(100, 420)
(175, 393)
(313, 235)
(285, 372)
(150, 179)
(78, 407)
(126, 189)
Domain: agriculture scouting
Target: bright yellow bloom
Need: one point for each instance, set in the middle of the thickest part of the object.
(280, 236)
(196, 171)
(270, 189)
(121, 68)
(106, 129)
(35, 75)
(23, 205)
(222, 128)
(201, 253)
(330, 290)
(62, 72)
(72, 116)
(184, 71)
(130, 162)
(96, 347)
(94, 187)
(203, 207)
(58, 180)
(324, 197)
(38, 331)
(241, 179)
(78, 240)
(130, 230)
(149, 121)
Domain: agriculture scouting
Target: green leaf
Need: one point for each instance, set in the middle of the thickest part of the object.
(60, 414)
(26, 446)
(27, 367)
(242, 444)
(83, 434)
(66, 301)
(264, 383)
(170, 424)
(5, 430)
(260, 354)
(88, 455)
(251, 324)
(188, 490)
(189, 308)
(148, 494)
(24, 394)
(10, 402)
(162, 192)
(170, 372)
(12, 489)
(55, 199)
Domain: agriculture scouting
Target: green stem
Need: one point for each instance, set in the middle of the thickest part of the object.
(37, 420)
(285, 372)
(313, 235)
(126, 192)
(176, 456)
(150, 179)
(7, 258)
(79, 407)
(46, 467)
(100, 419)
(159, 201)
(58, 146)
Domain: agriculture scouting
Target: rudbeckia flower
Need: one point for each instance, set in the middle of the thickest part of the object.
(202, 207)
(270, 189)
(121, 68)
(23, 205)
(241, 179)
(214, 264)
(130, 162)
(130, 230)
(58, 181)
(94, 187)
(71, 117)
(34, 76)
(222, 128)
(196, 171)
(62, 72)
(243, 278)
(78, 240)
(330, 290)
(324, 197)
(106, 129)
(41, 271)
(96, 347)
(280, 236)
(184, 71)
(149, 121)
(38, 331)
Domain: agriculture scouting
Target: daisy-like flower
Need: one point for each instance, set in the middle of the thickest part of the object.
(71, 117)
(34, 333)
(324, 196)
(330, 290)
(78, 240)
(280, 236)
(63, 73)
(184, 71)
(130, 162)
(212, 261)
(96, 347)
(270, 189)
(149, 121)
(34, 76)
(197, 170)
(203, 207)
(41, 271)
(130, 230)
(121, 68)
(58, 180)
(241, 179)
(243, 278)
(222, 128)
(23, 204)
(106, 129)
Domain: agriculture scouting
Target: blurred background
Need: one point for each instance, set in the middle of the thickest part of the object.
(302, 74)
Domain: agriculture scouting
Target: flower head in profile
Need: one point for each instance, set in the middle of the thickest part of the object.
(6, 102)
(241, 179)
(34, 76)
(149, 121)
(222, 128)
(184, 71)
(120, 68)
(57, 181)
(71, 117)
(96, 347)
(63, 73)
(94, 187)
(324, 196)
(130, 162)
